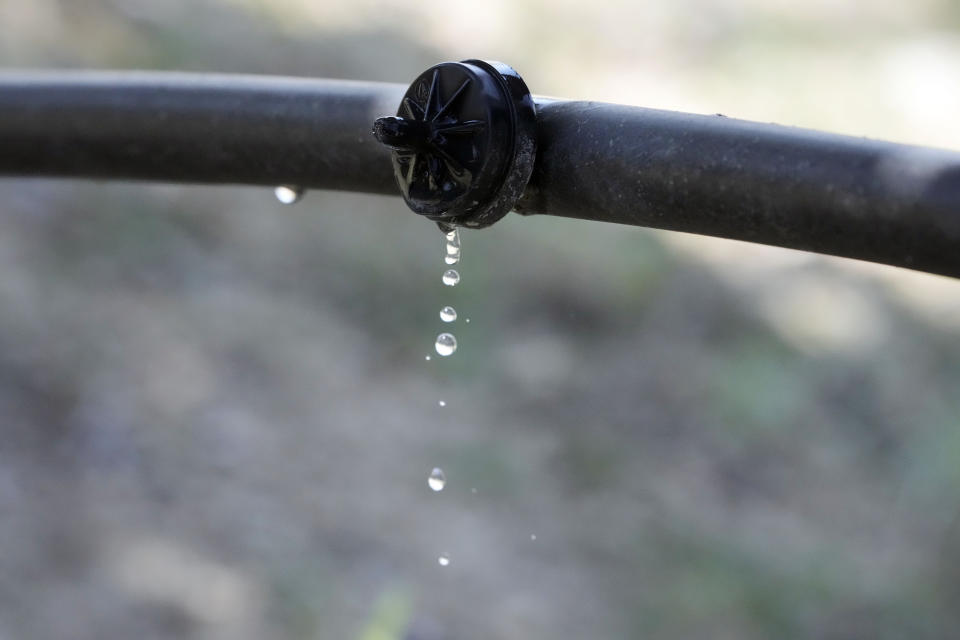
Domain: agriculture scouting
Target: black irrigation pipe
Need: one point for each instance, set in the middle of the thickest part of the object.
(712, 175)
(178, 127)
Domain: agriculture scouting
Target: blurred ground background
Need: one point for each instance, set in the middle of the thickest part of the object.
(217, 420)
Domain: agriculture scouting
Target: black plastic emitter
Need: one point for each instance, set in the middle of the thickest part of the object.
(463, 142)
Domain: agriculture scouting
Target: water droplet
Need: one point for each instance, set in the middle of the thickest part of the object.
(437, 479)
(448, 314)
(452, 249)
(467, 320)
(533, 537)
(442, 403)
(444, 559)
(287, 194)
(446, 344)
(426, 357)
(451, 277)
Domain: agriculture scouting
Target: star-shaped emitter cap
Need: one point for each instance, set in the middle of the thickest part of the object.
(463, 142)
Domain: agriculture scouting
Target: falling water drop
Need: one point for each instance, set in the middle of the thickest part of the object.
(452, 249)
(442, 403)
(437, 479)
(467, 320)
(427, 357)
(533, 537)
(451, 277)
(444, 559)
(448, 314)
(288, 194)
(446, 344)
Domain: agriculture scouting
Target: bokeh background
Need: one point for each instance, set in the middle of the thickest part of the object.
(216, 419)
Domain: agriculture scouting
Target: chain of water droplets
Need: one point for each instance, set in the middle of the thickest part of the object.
(445, 345)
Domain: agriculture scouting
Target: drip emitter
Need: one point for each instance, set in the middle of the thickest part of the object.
(463, 142)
